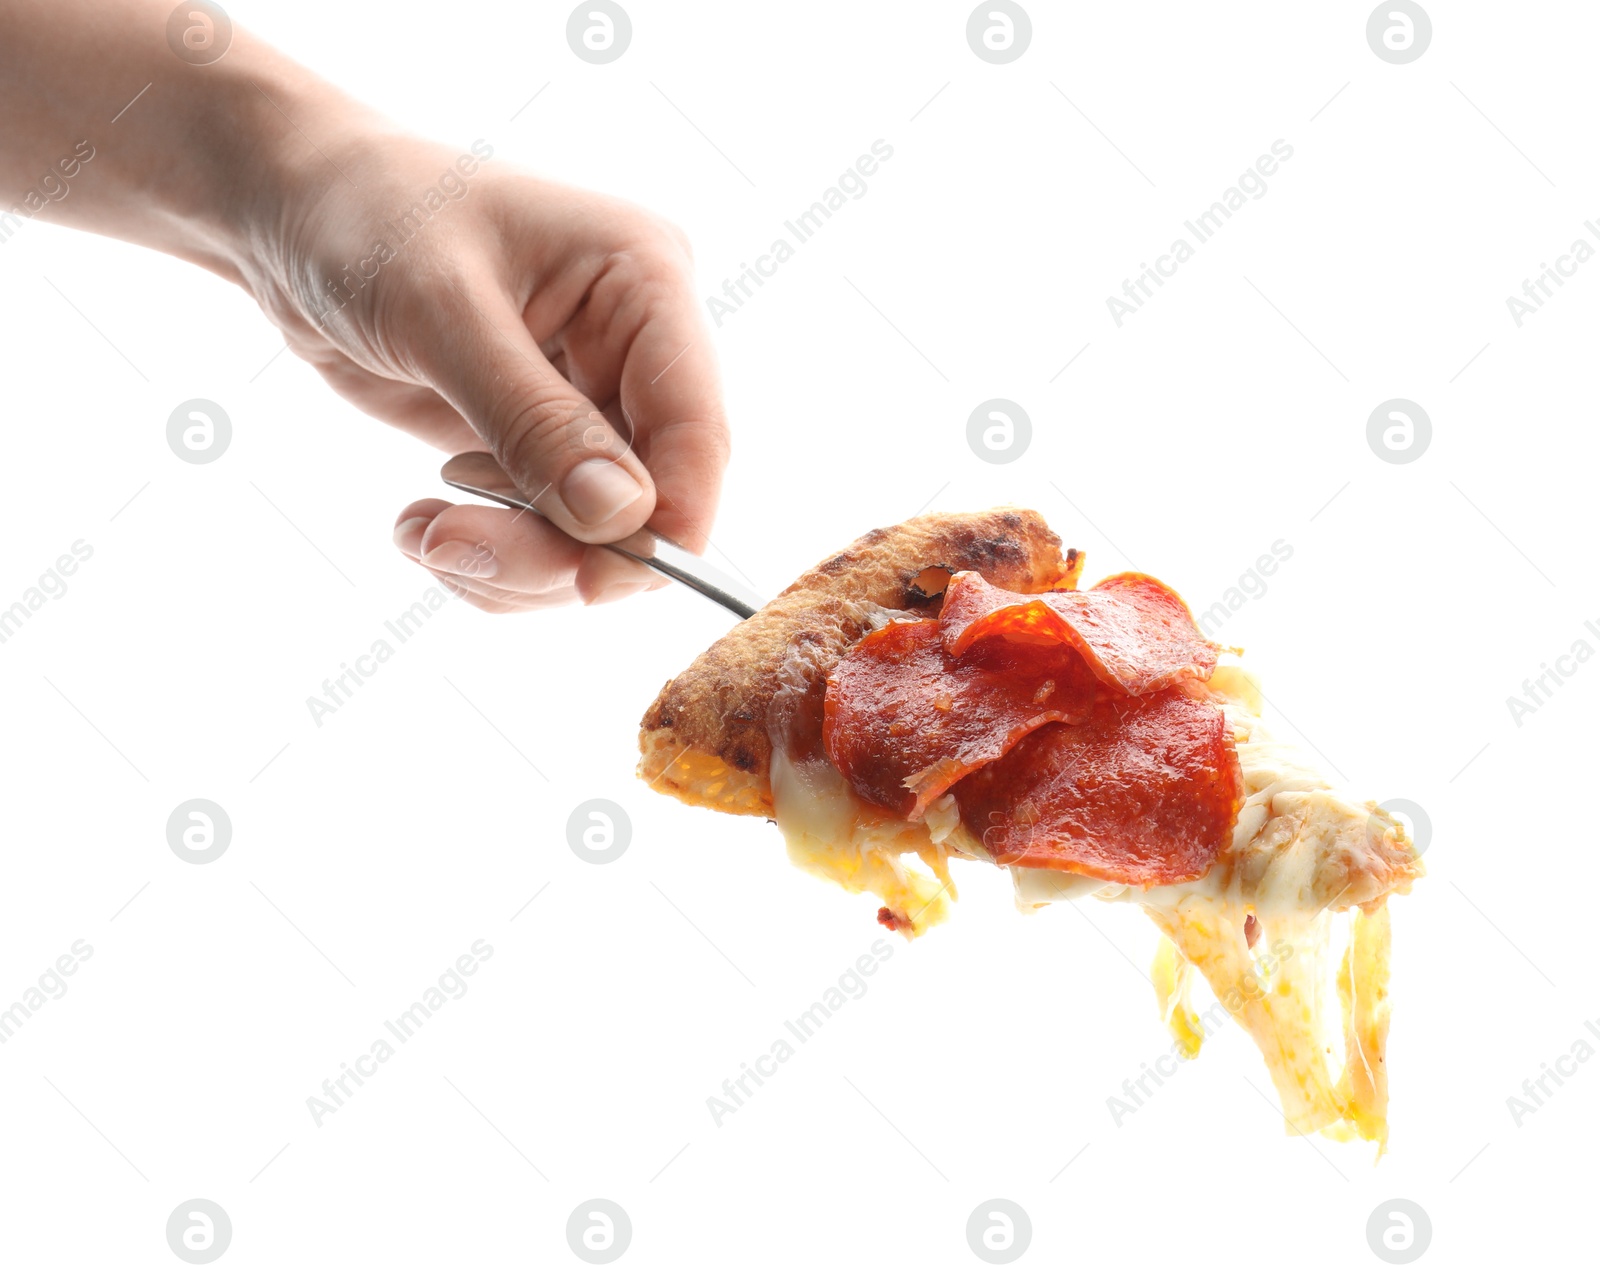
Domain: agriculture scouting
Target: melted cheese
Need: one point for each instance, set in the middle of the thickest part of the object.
(1311, 865)
(834, 835)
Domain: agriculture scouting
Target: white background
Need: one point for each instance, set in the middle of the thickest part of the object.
(1418, 597)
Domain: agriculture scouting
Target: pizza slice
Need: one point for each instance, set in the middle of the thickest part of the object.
(945, 690)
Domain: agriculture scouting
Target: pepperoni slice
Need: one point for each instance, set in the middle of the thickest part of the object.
(1144, 792)
(1133, 631)
(903, 721)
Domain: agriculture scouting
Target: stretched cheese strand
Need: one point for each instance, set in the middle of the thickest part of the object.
(1308, 862)
(1279, 995)
(1364, 996)
(1313, 868)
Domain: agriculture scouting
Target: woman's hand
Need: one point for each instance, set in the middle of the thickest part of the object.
(471, 305)
(481, 308)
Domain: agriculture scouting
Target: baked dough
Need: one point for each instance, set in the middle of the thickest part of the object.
(706, 738)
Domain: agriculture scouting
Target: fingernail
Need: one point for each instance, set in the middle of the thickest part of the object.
(461, 559)
(596, 491)
(619, 591)
(408, 534)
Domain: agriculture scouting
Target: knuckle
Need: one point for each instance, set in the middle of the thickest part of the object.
(678, 239)
(719, 440)
(528, 431)
(713, 440)
(430, 290)
(658, 240)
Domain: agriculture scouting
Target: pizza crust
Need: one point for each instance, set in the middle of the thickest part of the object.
(706, 738)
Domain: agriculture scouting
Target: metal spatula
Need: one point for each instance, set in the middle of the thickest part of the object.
(480, 474)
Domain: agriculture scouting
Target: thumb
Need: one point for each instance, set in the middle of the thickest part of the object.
(546, 434)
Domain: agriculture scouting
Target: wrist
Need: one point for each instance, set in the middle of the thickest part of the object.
(262, 139)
